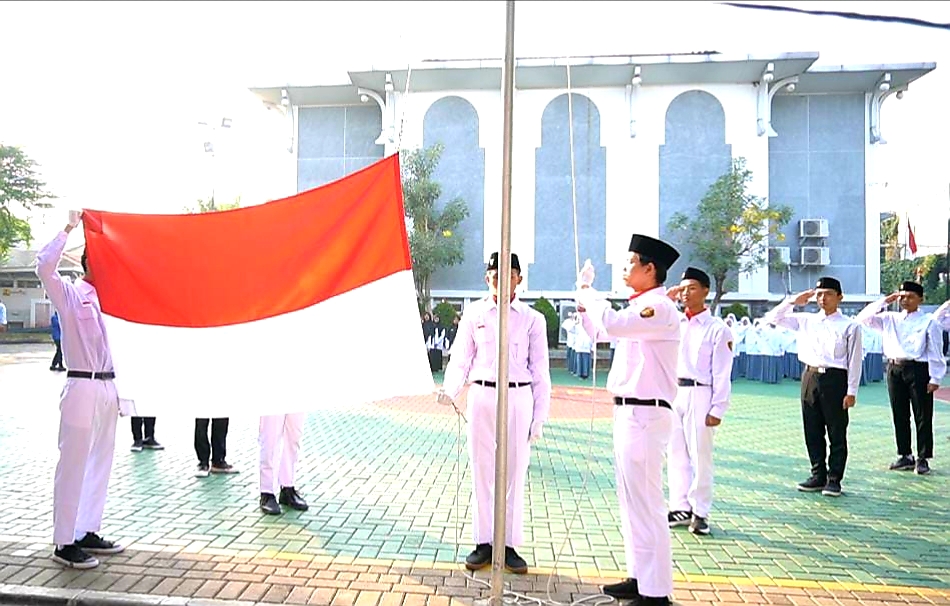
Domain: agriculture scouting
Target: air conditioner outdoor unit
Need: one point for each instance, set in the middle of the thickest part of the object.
(815, 255)
(813, 228)
(780, 254)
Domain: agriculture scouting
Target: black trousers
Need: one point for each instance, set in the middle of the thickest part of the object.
(138, 423)
(823, 411)
(907, 389)
(58, 356)
(216, 451)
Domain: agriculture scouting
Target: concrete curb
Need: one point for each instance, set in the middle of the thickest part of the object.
(26, 595)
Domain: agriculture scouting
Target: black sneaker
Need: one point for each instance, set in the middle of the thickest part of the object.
(223, 467)
(151, 444)
(923, 468)
(624, 590)
(74, 557)
(679, 518)
(904, 463)
(269, 504)
(812, 484)
(202, 470)
(699, 526)
(480, 557)
(514, 562)
(137, 446)
(832, 488)
(93, 543)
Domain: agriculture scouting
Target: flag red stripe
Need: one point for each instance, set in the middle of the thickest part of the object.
(223, 268)
(911, 240)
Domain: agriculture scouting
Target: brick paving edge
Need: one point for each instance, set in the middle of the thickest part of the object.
(26, 595)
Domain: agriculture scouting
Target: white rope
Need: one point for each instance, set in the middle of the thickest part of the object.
(404, 103)
(570, 131)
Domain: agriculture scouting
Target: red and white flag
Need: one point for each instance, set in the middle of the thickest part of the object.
(911, 240)
(294, 305)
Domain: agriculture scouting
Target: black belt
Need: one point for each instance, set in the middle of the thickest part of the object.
(85, 374)
(492, 384)
(638, 402)
(823, 369)
(895, 362)
(690, 383)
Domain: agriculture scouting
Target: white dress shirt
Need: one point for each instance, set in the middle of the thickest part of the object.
(908, 336)
(84, 342)
(826, 340)
(475, 351)
(706, 357)
(638, 371)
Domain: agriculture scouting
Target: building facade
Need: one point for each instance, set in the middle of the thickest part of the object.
(21, 291)
(649, 136)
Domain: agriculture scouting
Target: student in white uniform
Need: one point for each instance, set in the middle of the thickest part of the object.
(829, 344)
(913, 347)
(642, 380)
(474, 361)
(89, 410)
(279, 439)
(702, 398)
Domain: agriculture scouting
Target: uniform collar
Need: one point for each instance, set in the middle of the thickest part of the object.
(643, 292)
(698, 315)
(85, 288)
(517, 304)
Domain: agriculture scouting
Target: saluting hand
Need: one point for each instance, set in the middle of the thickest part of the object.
(804, 297)
(849, 401)
(675, 292)
(892, 297)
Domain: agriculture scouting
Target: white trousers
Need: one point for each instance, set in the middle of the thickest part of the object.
(482, 403)
(641, 434)
(88, 411)
(689, 462)
(279, 439)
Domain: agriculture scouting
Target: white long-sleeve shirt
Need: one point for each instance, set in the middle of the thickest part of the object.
(825, 340)
(474, 354)
(705, 356)
(907, 336)
(84, 342)
(648, 338)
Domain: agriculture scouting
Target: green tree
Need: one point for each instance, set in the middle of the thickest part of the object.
(929, 271)
(730, 229)
(433, 241)
(209, 205)
(551, 319)
(21, 191)
(890, 245)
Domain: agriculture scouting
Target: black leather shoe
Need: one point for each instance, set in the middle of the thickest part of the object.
(645, 600)
(289, 496)
(479, 558)
(812, 484)
(624, 590)
(514, 562)
(269, 504)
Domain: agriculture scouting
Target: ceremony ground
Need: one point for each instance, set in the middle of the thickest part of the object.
(389, 491)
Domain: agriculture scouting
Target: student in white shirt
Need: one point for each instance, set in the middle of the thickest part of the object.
(829, 344)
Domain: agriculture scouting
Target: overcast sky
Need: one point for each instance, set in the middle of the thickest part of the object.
(107, 95)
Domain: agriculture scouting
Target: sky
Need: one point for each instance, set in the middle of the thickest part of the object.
(107, 96)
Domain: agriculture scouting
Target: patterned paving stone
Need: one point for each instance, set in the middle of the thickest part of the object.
(389, 489)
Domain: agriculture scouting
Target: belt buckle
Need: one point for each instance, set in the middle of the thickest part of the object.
(822, 370)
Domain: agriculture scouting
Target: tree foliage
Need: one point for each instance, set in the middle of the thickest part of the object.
(929, 270)
(730, 229)
(890, 242)
(210, 206)
(433, 240)
(21, 192)
(551, 319)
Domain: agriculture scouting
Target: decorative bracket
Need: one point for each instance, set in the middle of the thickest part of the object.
(632, 91)
(763, 125)
(882, 90)
(386, 107)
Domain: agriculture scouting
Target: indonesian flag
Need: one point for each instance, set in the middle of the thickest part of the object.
(294, 305)
(911, 240)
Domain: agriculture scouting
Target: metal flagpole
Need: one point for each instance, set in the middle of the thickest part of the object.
(504, 287)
